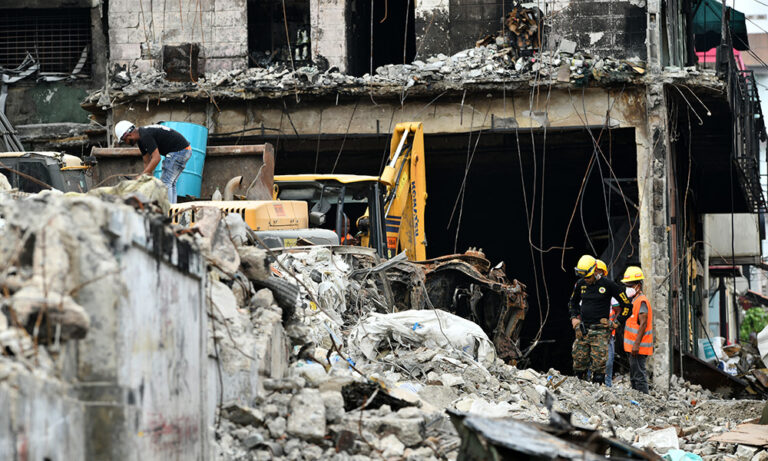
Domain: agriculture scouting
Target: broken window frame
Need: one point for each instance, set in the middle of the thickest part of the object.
(58, 39)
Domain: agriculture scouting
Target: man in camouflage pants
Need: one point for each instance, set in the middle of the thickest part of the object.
(589, 309)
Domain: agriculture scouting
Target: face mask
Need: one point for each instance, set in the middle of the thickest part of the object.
(631, 292)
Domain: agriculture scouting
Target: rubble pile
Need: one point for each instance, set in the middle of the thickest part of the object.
(368, 383)
(489, 63)
(331, 353)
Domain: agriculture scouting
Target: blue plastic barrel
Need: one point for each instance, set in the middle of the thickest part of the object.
(191, 179)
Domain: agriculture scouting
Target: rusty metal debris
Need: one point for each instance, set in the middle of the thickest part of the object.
(467, 285)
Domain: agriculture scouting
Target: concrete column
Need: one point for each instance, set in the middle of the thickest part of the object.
(328, 23)
(652, 165)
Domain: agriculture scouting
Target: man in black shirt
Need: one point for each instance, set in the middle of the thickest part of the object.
(589, 310)
(155, 141)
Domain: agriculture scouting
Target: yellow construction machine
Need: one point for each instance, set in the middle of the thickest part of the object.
(387, 210)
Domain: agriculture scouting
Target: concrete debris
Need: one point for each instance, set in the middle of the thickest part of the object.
(55, 312)
(487, 63)
(306, 418)
(661, 441)
(140, 192)
(343, 398)
(358, 367)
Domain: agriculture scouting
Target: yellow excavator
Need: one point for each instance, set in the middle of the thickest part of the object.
(393, 220)
(391, 206)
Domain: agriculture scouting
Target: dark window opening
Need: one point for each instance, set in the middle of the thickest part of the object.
(394, 36)
(58, 39)
(267, 41)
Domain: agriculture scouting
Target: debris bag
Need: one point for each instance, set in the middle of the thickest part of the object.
(711, 351)
(661, 441)
(435, 329)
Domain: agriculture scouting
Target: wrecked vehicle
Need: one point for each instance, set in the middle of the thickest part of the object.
(33, 172)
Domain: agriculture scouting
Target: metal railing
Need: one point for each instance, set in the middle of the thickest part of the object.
(748, 124)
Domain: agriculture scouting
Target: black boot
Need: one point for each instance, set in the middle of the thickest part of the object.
(582, 375)
(598, 378)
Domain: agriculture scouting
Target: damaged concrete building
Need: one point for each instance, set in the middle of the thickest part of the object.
(551, 130)
(580, 127)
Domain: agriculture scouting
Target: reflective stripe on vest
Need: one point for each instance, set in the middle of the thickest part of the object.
(633, 326)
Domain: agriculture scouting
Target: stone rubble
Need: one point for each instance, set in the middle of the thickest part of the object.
(486, 64)
(307, 415)
(300, 406)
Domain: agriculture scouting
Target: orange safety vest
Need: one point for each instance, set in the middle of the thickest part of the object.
(613, 316)
(632, 327)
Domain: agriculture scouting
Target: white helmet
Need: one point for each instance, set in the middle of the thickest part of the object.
(122, 128)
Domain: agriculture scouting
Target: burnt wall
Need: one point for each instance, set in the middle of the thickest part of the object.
(600, 27)
(604, 28)
(471, 20)
(34, 101)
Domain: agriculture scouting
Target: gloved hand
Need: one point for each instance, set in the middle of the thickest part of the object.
(614, 325)
(577, 328)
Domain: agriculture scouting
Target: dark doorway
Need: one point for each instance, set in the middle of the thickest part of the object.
(267, 41)
(394, 36)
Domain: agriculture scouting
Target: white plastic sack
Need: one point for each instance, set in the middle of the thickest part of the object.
(711, 351)
(487, 409)
(435, 329)
(661, 441)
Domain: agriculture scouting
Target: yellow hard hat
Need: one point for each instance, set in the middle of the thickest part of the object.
(633, 274)
(601, 265)
(586, 266)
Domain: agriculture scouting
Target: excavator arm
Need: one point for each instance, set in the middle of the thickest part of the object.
(406, 192)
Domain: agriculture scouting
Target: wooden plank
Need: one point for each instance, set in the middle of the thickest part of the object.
(746, 434)
(211, 151)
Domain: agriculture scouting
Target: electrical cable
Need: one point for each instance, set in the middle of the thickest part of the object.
(344, 140)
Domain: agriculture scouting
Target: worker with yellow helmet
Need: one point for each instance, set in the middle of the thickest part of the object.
(589, 309)
(638, 331)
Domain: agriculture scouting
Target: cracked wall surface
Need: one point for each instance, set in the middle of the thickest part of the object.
(138, 31)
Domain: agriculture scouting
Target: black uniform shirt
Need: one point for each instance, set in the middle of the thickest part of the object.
(596, 301)
(162, 138)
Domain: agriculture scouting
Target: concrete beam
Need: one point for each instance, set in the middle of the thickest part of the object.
(360, 115)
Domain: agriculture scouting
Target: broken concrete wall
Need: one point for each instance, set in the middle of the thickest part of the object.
(328, 34)
(138, 32)
(142, 371)
(601, 27)
(41, 418)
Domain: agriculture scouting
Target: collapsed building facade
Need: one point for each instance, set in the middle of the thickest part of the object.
(579, 127)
